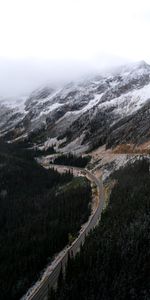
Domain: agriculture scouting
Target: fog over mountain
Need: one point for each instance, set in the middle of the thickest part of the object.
(19, 77)
(58, 41)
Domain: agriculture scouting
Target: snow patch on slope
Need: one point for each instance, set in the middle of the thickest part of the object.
(50, 109)
(14, 104)
(128, 103)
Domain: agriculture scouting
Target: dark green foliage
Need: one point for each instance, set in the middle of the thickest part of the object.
(34, 151)
(48, 151)
(72, 160)
(114, 263)
(38, 210)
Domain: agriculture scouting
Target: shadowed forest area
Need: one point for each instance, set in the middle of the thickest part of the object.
(39, 210)
(72, 160)
(114, 262)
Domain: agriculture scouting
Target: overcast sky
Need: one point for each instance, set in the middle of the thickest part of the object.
(53, 40)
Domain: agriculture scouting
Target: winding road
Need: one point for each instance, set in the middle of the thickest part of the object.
(50, 277)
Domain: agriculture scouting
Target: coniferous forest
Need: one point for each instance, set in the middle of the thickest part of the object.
(72, 160)
(39, 210)
(114, 262)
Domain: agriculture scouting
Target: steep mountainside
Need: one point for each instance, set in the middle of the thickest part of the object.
(11, 111)
(111, 109)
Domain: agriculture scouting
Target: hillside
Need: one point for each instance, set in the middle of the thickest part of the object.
(40, 209)
(110, 108)
(114, 262)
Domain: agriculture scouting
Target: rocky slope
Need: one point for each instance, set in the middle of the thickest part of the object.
(11, 112)
(111, 108)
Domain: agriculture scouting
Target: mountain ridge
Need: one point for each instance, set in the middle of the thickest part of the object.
(103, 109)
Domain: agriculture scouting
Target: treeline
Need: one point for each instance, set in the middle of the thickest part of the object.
(38, 152)
(114, 262)
(33, 150)
(72, 160)
(39, 210)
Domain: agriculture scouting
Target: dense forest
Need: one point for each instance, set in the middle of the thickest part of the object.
(114, 262)
(72, 160)
(32, 149)
(39, 152)
(39, 211)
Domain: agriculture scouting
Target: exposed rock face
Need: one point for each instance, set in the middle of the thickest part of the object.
(132, 129)
(9, 118)
(112, 108)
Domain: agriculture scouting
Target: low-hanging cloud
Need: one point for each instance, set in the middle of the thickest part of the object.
(21, 77)
(52, 42)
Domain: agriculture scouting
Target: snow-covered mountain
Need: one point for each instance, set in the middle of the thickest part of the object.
(111, 108)
(11, 112)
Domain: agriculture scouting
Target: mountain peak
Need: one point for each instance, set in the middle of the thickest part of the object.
(84, 112)
(142, 64)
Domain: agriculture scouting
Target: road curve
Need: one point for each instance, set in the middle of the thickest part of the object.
(41, 289)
